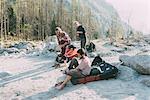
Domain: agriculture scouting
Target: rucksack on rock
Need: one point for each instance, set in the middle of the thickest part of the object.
(105, 70)
(91, 47)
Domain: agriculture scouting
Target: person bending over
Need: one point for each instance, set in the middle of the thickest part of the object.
(63, 39)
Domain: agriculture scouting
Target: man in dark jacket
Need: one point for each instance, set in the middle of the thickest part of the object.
(80, 31)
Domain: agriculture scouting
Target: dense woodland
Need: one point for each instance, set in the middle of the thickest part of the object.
(37, 19)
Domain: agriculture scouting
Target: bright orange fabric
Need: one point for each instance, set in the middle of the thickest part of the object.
(71, 53)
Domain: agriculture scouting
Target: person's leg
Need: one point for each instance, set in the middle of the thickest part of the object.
(73, 74)
(63, 50)
(57, 61)
(83, 42)
(76, 76)
(60, 59)
(73, 64)
(67, 79)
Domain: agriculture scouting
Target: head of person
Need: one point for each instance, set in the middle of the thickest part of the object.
(76, 23)
(62, 33)
(81, 53)
(58, 30)
(71, 47)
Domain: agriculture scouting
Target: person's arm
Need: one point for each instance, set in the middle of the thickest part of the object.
(58, 39)
(67, 41)
(62, 45)
(79, 32)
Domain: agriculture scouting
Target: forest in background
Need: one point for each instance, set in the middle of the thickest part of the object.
(37, 19)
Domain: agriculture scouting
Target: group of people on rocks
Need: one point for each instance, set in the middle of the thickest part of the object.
(79, 63)
(64, 39)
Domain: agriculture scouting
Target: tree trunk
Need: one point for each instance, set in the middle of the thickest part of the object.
(1, 19)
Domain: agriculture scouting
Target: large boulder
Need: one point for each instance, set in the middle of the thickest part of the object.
(126, 73)
(140, 63)
(4, 74)
(8, 51)
(23, 45)
(51, 43)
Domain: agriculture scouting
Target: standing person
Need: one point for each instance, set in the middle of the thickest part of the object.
(80, 31)
(83, 69)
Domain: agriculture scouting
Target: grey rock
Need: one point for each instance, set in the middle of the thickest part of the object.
(126, 73)
(4, 74)
(140, 63)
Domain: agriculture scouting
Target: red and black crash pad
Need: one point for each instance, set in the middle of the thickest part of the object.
(107, 71)
(85, 79)
(91, 79)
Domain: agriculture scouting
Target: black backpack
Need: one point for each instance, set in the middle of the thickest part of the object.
(91, 47)
(61, 58)
(105, 70)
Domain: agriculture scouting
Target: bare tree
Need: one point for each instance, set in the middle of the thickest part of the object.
(1, 18)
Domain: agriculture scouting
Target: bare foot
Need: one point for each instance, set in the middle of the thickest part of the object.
(60, 87)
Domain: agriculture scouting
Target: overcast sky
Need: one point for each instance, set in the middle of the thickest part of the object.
(136, 11)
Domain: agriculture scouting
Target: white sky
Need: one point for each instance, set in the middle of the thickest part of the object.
(136, 11)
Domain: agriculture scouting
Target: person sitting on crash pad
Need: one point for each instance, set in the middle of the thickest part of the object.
(83, 69)
(70, 55)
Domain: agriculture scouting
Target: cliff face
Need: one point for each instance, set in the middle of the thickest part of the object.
(108, 18)
(106, 15)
